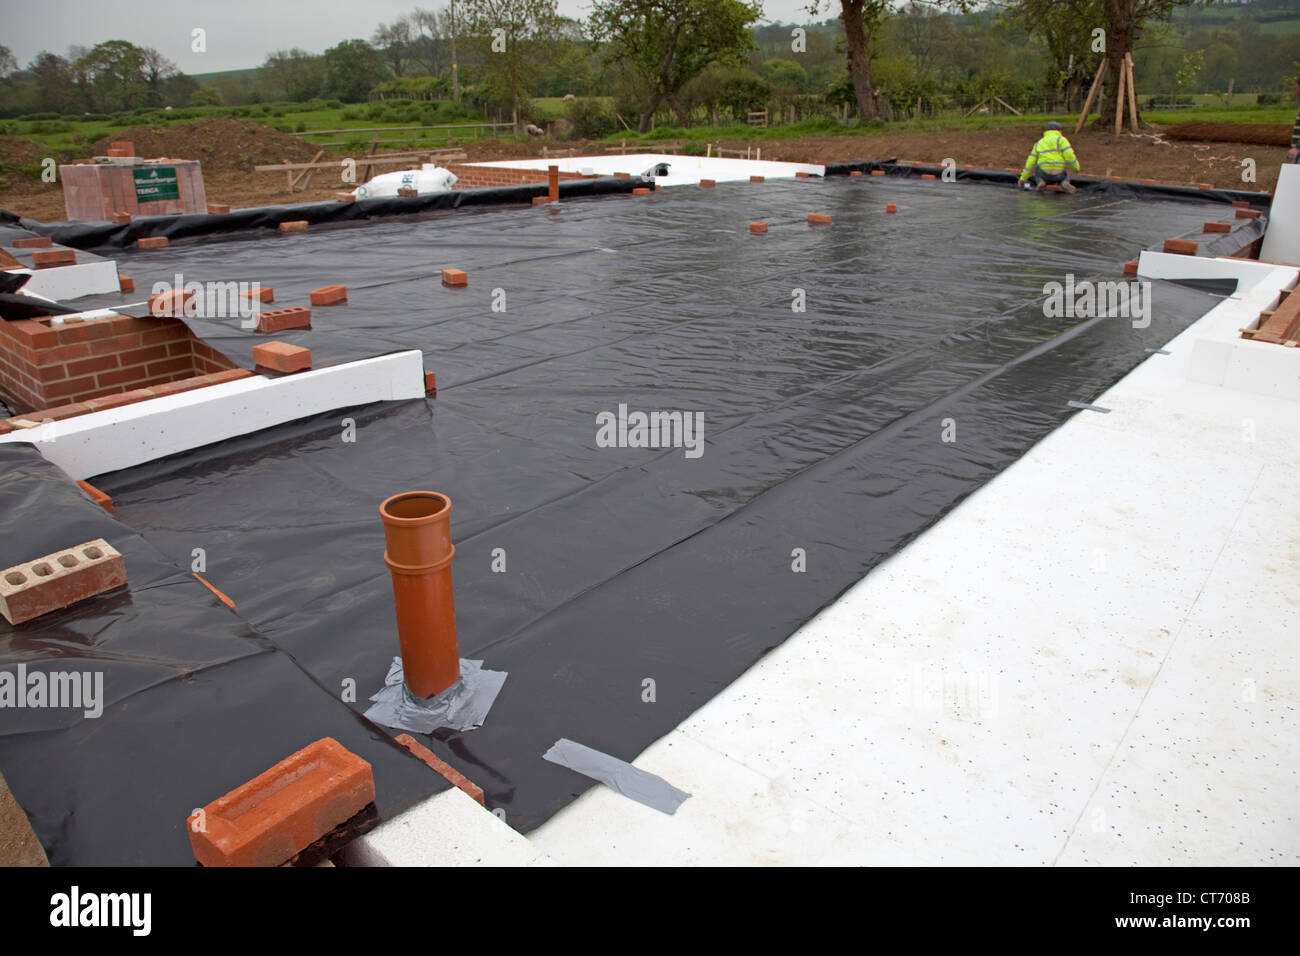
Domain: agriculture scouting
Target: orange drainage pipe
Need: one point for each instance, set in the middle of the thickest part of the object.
(417, 532)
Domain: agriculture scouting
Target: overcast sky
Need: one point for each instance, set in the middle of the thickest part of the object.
(239, 32)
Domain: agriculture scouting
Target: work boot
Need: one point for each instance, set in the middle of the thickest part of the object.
(1069, 187)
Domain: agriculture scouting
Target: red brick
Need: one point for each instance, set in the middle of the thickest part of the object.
(151, 242)
(800, 174)
(57, 413)
(263, 293)
(1248, 214)
(707, 182)
(138, 356)
(855, 172)
(126, 283)
(642, 191)
(167, 333)
(329, 295)
(281, 812)
(281, 357)
(1131, 267)
(454, 776)
(430, 383)
(34, 242)
(1181, 246)
(169, 366)
(217, 209)
(111, 345)
(818, 218)
(121, 218)
(928, 176)
(72, 386)
(296, 225)
(122, 376)
(58, 580)
(891, 207)
(229, 375)
(119, 399)
(755, 179)
(1218, 227)
(1148, 182)
(92, 365)
(877, 172)
(172, 302)
(45, 258)
(278, 320)
(97, 496)
(1205, 185)
(454, 277)
(758, 227)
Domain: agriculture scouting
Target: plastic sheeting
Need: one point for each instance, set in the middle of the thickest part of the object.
(586, 571)
(196, 702)
(107, 236)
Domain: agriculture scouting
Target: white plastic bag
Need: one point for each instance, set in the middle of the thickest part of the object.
(429, 178)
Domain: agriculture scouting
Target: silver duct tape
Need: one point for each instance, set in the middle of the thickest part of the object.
(655, 792)
(462, 706)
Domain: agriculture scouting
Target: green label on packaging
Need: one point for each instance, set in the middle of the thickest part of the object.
(156, 182)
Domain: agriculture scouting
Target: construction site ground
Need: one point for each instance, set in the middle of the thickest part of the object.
(229, 149)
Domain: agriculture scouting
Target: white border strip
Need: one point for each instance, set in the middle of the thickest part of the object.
(130, 435)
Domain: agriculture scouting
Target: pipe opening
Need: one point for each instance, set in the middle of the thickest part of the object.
(415, 505)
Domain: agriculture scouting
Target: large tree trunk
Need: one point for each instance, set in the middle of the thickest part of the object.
(1119, 20)
(648, 114)
(859, 59)
(680, 111)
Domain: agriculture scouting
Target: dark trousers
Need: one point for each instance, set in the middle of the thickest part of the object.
(1044, 176)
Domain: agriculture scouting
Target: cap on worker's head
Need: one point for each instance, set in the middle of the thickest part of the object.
(1053, 125)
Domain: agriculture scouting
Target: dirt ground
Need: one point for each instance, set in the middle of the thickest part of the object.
(229, 149)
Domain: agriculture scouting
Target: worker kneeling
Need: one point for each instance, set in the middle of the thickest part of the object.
(1050, 161)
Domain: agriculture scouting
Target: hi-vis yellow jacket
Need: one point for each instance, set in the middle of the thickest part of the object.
(1051, 154)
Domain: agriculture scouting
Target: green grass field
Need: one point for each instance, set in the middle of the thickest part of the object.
(71, 135)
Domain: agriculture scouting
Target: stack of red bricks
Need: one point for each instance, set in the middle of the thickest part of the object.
(43, 365)
(1280, 326)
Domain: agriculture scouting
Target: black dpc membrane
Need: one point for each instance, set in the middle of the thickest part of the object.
(819, 371)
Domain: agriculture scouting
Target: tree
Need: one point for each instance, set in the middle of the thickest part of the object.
(113, 76)
(289, 74)
(206, 96)
(1123, 24)
(1065, 26)
(393, 40)
(509, 38)
(7, 62)
(55, 85)
(351, 69)
(862, 21)
(664, 44)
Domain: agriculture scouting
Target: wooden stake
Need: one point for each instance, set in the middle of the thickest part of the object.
(1092, 93)
(1008, 106)
(1132, 97)
(1119, 101)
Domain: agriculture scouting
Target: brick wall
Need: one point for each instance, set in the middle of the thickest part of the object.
(43, 366)
(477, 177)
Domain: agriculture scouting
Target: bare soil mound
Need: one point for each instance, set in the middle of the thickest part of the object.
(1262, 134)
(221, 145)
